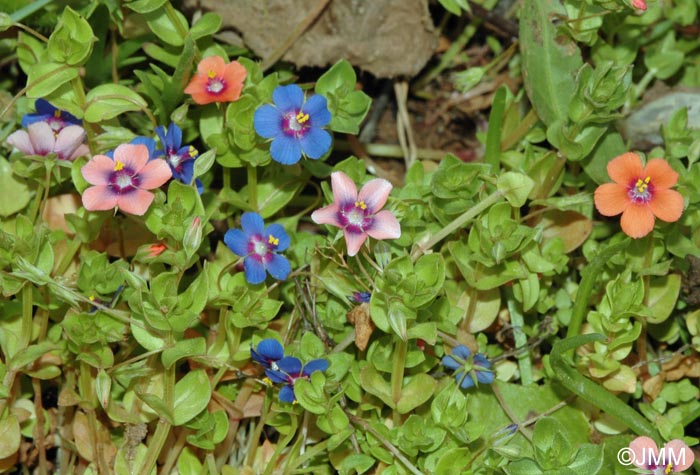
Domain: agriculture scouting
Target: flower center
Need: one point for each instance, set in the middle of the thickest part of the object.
(640, 192)
(355, 217)
(295, 123)
(122, 179)
(174, 160)
(215, 85)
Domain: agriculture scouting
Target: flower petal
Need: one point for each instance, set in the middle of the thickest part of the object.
(290, 365)
(237, 242)
(148, 142)
(611, 199)
(315, 143)
(132, 156)
(99, 198)
(80, 151)
(384, 226)
(667, 205)
(287, 394)
(451, 363)
(254, 270)
(288, 98)
(481, 360)
(277, 231)
(465, 380)
(637, 220)
(661, 173)
(20, 139)
(68, 140)
(484, 377)
(462, 351)
(354, 241)
(98, 170)
(214, 64)
(267, 350)
(197, 88)
(154, 174)
(315, 365)
(326, 215)
(344, 189)
(317, 108)
(285, 150)
(643, 448)
(278, 266)
(678, 451)
(42, 138)
(233, 75)
(135, 202)
(625, 168)
(252, 223)
(267, 121)
(375, 193)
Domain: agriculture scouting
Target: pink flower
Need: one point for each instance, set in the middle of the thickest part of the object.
(123, 182)
(675, 456)
(358, 215)
(40, 139)
(639, 4)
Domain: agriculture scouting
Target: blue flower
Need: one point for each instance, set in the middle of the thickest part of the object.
(259, 245)
(289, 370)
(295, 126)
(180, 158)
(361, 297)
(469, 369)
(268, 353)
(147, 141)
(45, 112)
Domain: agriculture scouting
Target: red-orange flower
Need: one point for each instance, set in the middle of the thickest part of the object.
(640, 193)
(216, 81)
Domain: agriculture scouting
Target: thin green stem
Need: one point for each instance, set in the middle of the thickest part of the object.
(457, 223)
(155, 446)
(71, 251)
(27, 314)
(175, 20)
(400, 350)
(518, 322)
(252, 186)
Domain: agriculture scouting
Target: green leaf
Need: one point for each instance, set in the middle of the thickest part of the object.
(515, 187)
(162, 26)
(204, 162)
(30, 354)
(11, 436)
(192, 394)
(310, 394)
(419, 389)
(348, 107)
(663, 293)
(274, 192)
(355, 463)
(15, 194)
(71, 41)
(44, 78)
(208, 24)
(375, 384)
(109, 100)
(550, 59)
(184, 349)
(145, 6)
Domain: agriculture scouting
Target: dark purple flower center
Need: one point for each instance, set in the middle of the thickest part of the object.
(123, 179)
(262, 249)
(641, 191)
(296, 123)
(355, 217)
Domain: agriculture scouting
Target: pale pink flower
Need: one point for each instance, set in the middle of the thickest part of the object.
(640, 4)
(40, 139)
(358, 215)
(123, 182)
(675, 456)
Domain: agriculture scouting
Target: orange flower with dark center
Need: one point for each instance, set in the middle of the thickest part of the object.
(641, 193)
(216, 81)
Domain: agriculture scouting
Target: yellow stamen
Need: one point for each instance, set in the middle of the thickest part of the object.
(642, 185)
(267, 381)
(192, 151)
(211, 74)
(360, 204)
(301, 117)
(273, 240)
(118, 166)
(91, 298)
(57, 114)
(669, 469)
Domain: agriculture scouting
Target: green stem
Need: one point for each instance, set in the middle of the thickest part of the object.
(32, 7)
(521, 130)
(27, 314)
(400, 350)
(36, 203)
(492, 155)
(175, 20)
(457, 223)
(518, 323)
(252, 186)
(73, 247)
(155, 446)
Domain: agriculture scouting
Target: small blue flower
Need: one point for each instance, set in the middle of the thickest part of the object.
(45, 112)
(180, 158)
(468, 369)
(268, 353)
(289, 370)
(259, 245)
(294, 125)
(361, 297)
(147, 141)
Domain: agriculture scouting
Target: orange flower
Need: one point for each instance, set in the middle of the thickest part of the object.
(640, 193)
(216, 81)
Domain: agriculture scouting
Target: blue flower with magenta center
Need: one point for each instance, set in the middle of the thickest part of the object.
(294, 125)
(289, 371)
(468, 369)
(267, 353)
(56, 118)
(259, 245)
(180, 158)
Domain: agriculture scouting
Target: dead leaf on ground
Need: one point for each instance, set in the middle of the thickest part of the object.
(360, 318)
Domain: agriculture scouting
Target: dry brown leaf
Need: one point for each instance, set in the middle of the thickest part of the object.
(360, 318)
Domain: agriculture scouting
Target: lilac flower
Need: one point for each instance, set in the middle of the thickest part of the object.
(259, 245)
(268, 353)
(180, 158)
(40, 139)
(289, 371)
(295, 126)
(358, 215)
(469, 369)
(45, 112)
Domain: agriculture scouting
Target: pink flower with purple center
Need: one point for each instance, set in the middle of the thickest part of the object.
(358, 215)
(294, 125)
(123, 181)
(259, 245)
(40, 139)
